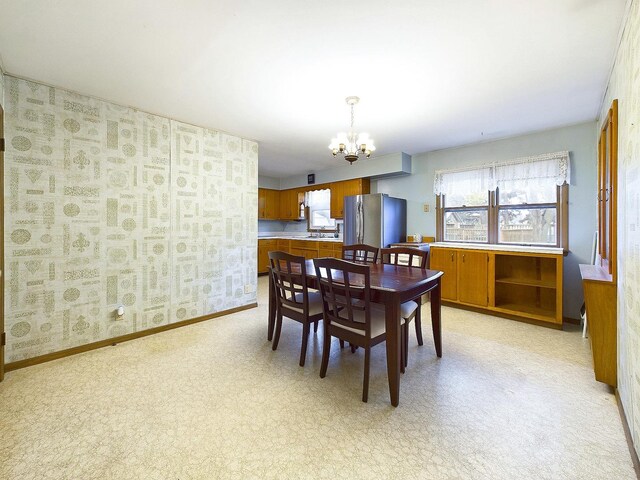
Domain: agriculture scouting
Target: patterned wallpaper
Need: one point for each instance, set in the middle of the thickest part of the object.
(106, 206)
(624, 85)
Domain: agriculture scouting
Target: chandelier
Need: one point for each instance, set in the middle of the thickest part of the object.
(351, 144)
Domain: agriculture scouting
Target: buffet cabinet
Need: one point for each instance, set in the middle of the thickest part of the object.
(521, 284)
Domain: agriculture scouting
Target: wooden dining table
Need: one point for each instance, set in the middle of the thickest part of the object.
(391, 285)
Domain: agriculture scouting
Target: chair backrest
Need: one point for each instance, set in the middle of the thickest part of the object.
(290, 280)
(360, 252)
(346, 294)
(407, 256)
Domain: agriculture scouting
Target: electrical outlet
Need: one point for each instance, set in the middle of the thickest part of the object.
(249, 288)
(426, 207)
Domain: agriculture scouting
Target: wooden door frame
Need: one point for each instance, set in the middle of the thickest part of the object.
(2, 332)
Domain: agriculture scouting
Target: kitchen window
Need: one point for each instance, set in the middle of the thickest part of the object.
(522, 202)
(319, 203)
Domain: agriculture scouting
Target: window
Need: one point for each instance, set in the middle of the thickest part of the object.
(319, 202)
(519, 202)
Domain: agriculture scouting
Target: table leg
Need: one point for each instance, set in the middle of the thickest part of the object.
(435, 319)
(392, 314)
(272, 308)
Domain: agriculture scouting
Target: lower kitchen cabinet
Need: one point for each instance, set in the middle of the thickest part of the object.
(521, 284)
(264, 247)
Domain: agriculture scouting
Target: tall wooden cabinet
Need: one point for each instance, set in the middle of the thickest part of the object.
(599, 281)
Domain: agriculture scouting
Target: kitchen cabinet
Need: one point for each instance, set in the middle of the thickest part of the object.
(339, 190)
(519, 284)
(330, 249)
(446, 260)
(472, 277)
(264, 247)
(290, 203)
(283, 245)
(268, 204)
(305, 248)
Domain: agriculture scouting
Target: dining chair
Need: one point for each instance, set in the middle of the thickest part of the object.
(360, 252)
(410, 310)
(294, 300)
(348, 312)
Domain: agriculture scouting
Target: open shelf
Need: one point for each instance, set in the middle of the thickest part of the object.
(529, 311)
(531, 282)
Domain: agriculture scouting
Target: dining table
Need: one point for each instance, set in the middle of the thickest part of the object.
(390, 285)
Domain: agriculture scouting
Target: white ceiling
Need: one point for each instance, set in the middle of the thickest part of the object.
(430, 73)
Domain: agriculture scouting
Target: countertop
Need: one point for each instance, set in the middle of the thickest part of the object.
(501, 247)
(293, 237)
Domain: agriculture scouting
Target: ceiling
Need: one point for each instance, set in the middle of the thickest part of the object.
(431, 74)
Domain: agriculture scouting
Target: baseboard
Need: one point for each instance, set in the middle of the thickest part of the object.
(628, 436)
(572, 321)
(493, 313)
(123, 338)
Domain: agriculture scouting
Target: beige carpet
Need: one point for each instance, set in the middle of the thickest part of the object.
(507, 401)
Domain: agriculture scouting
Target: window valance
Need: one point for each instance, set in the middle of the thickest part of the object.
(551, 166)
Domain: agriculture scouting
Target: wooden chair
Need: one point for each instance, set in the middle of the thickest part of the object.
(348, 312)
(360, 252)
(293, 298)
(415, 258)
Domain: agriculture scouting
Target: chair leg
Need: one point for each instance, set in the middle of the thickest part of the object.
(353, 348)
(419, 323)
(326, 350)
(315, 326)
(341, 343)
(305, 340)
(403, 349)
(365, 385)
(276, 335)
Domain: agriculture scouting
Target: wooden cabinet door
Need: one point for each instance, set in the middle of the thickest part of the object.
(472, 277)
(271, 209)
(286, 204)
(326, 252)
(263, 259)
(337, 199)
(445, 260)
(262, 200)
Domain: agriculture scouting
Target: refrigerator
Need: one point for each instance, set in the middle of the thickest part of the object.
(375, 219)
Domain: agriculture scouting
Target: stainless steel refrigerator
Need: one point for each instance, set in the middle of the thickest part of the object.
(376, 219)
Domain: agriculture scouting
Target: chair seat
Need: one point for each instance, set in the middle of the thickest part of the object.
(408, 308)
(315, 303)
(378, 325)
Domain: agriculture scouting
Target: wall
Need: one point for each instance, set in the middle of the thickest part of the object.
(268, 182)
(392, 164)
(624, 85)
(105, 206)
(578, 139)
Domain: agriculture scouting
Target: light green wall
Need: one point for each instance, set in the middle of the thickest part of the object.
(392, 164)
(578, 139)
(624, 85)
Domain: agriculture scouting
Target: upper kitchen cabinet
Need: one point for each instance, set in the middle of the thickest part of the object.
(339, 190)
(290, 201)
(268, 204)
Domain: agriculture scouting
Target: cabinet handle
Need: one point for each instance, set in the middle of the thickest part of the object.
(463, 258)
(452, 257)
